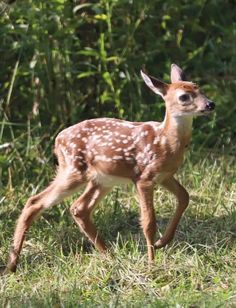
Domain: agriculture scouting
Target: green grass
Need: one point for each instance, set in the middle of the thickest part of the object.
(59, 268)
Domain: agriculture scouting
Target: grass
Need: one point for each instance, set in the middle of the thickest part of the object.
(59, 268)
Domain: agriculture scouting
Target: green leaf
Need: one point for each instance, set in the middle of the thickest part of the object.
(107, 77)
(86, 74)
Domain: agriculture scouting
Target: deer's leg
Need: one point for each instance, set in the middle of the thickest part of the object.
(81, 211)
(148, 220)
(183, 200)
(53, 194)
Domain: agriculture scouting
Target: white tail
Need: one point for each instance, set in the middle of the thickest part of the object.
(104, 152)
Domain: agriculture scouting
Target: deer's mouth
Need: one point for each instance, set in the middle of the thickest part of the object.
(206, 111)
(208, 108)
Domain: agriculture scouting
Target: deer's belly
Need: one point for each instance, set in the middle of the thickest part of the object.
(107, 180)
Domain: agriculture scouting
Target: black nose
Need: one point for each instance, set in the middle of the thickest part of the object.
(210, 105)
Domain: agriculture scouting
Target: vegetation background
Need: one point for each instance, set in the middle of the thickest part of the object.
(63, 61)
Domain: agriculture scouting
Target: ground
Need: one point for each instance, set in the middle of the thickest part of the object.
(59, 267)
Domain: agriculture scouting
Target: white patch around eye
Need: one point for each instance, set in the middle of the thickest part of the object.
(180, 92)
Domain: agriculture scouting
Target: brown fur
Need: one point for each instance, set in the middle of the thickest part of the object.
(186, 86)
(100, 152)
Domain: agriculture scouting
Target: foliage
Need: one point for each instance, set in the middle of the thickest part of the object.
(64, 61)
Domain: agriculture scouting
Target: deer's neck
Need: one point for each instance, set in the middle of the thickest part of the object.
(178, 128)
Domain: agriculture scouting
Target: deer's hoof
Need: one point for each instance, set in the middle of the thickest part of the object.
(161, 243)
(5, 271)
(10, 268)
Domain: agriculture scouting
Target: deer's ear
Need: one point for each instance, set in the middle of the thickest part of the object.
(176, 74)
(156, 85)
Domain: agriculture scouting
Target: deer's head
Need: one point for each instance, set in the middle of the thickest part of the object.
(181, 97)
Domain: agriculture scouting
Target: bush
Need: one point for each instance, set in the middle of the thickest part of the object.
(65, 61)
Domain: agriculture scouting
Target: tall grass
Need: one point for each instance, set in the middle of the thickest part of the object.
(58, 266)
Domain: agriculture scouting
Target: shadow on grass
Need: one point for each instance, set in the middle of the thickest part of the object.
(57, 231)
(206, 230)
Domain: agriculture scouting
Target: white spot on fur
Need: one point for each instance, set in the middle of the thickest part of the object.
(147, 148)
(163, 140)
(104, 144)
(117, 157)
(156, 140)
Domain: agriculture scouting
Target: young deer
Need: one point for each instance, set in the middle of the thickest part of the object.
(104, 152)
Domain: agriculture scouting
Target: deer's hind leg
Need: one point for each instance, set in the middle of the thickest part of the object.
(148, 218)
(82, 209)
(63, 185)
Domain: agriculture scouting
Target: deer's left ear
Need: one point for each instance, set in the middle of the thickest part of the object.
(156, 85)
(176, 74)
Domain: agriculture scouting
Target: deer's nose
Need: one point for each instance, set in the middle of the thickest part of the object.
(210, 105)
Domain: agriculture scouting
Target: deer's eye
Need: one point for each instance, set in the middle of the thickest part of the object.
(184, 97)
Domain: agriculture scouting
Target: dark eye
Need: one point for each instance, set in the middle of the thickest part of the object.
(184, 97)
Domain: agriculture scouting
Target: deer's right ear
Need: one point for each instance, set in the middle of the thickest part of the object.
(176, 74)
(157, 86)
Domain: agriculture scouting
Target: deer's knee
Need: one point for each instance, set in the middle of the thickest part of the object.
(149, 226)
(31, 201)
(32, 209)
(79, 213)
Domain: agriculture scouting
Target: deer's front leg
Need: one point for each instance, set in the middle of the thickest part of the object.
(148, 219)
(183, 200)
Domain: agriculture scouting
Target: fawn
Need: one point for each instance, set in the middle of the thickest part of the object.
(103, 152)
